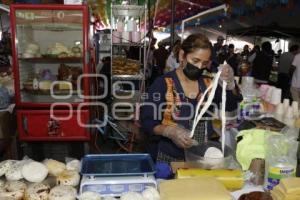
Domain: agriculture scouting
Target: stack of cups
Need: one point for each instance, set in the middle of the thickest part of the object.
(295, 107)
(276, 96)
(286, 104)
(126, 37)
(132, 28)
(289, 117)
(279, 112)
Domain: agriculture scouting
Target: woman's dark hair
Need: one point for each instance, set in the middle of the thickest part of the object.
(266, 46)
(194, 42)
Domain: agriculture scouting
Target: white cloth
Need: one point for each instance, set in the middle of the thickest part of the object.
(296, 75)
(172, 62)
(285, 62)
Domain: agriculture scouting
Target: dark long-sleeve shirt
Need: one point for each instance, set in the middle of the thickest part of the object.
(152, 112)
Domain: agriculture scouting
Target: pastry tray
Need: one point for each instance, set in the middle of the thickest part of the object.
(117, 165)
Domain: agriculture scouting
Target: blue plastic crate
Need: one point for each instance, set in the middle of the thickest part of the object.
(117, 165)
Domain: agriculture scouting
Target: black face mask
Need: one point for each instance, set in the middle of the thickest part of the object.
(193, 72)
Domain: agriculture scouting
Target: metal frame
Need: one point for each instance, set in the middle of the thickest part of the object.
(221, 7)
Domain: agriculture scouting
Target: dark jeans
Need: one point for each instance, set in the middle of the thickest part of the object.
(283, 83)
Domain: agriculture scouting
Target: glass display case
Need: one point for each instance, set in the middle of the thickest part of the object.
(50, 53)
(51, 60)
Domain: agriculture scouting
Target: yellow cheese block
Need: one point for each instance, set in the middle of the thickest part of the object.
(276, 195)
(199, 188)
(231, 179)
(290, 185)
(65, 85)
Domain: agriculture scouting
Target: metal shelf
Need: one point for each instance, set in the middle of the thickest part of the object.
(128, 44)
(53, 59)
(128, 10)
(128, 77)
(52, 26)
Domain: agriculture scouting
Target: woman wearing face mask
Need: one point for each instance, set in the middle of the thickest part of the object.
(168, 111)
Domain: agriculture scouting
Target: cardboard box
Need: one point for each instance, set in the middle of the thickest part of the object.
(7, 125)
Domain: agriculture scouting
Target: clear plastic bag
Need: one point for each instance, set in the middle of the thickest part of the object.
(281, 159)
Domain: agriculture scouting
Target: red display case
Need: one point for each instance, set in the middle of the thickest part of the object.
(51, 57)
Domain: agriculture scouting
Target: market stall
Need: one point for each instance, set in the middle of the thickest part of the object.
(253, 156)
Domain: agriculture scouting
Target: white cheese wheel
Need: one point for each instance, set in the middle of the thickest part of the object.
(37, 191)
(34, 172)
(74, 165)
(1, 186)
(5, 166)
(15, 172)
(54, 167)
(90, 196)
(68, 177)
(213, 152)
(62, 192)
(131, 196)
(13, 189)
(213, 157)
(150, 193)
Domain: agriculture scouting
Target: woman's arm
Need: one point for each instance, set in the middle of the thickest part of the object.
(150, 115)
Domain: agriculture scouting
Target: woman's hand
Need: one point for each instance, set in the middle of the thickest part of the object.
(227, 75)
(179, 136)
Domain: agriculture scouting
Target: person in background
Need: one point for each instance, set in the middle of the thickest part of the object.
(151, 70)
(232, 59)
(245, 51)
(219, 52)
(279, 53)
(284, 70)
(253, 53)
(295, 88)
(168, 112)
(160, 55)
(172, 61)
(263, 64)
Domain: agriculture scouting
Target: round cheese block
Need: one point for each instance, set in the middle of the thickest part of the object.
(37, 191)
(5, 166)
(90, 196)
(68, 177)
(15, 172)
(1, 186)
(34, 172)
(13, 189)
(54, 167)
(150, 193)
(74, 165)
(131, 196)
(62, 192)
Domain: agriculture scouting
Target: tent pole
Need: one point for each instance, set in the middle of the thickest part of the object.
(173, 12)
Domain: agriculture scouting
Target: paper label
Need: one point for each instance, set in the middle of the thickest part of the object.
(277, 173)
